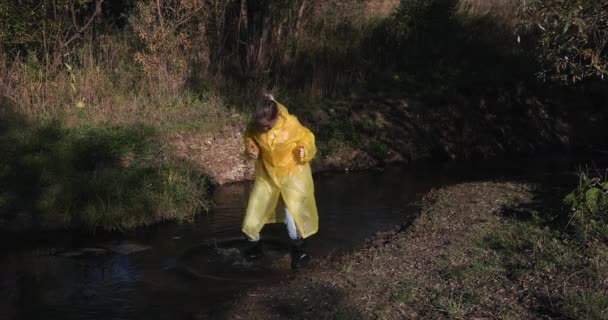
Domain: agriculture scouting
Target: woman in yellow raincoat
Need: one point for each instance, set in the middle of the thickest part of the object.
(283, 190)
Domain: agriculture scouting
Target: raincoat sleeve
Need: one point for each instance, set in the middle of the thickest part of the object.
(307, 141)
(249, 143)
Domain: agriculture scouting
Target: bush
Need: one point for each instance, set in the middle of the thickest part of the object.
(570, 38)
(173, 37)
(108, 178)
(589, 208)
(46, 29)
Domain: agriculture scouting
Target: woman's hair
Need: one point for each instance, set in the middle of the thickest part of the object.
(266, 108)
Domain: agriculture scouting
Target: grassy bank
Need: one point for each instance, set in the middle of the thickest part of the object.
(499, 250)
(378, 81)
(91, 177)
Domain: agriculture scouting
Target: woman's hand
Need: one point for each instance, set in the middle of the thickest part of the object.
(301, 153)
(252, 150)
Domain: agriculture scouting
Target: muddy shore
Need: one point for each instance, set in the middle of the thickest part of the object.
(438, 267)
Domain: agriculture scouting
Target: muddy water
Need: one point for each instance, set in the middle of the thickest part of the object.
(189, 270)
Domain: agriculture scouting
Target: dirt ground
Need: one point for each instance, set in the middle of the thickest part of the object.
(407, 273)
(220, 155)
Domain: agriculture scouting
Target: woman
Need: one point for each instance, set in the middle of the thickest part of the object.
(283, 190)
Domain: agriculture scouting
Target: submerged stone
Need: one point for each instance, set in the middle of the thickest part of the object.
(84, 252)
(126, 248)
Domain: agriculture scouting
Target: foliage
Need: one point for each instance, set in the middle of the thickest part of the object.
(176, 61)
(535, 248)
(47, 29)
(93, 178)
(570, 37)
(589, 207)
(173, 35)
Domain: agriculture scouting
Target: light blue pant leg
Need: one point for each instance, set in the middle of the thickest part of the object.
(292, 230)
(253, 240)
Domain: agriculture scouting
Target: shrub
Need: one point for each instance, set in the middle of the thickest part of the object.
(108, 178)
(172, 33)
(589, 208)
(570, 38)
(47, 29)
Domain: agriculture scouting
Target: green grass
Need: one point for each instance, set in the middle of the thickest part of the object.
(480, 266)
(598, 263)
(557, 237)
(407, 295)
(589, 205)
(451, 304)
(110, 178)
(545, 247)
(529, 248)
(586, 305)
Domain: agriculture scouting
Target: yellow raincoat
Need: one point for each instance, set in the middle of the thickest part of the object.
(280, 174)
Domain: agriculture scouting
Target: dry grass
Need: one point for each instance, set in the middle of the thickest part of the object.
(381, 8)
(506, 10)
(502, 11)
(103, 84)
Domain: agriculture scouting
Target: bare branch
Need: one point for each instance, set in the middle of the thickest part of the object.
(160, 15)
(86, 26)
(63, 44)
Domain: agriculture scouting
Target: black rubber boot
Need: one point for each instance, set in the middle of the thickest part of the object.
(254, 251)
(299, 258)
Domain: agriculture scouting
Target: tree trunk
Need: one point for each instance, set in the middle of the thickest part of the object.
(243, 37)
(265, 46)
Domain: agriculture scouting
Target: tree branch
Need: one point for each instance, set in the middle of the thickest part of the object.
(64, 44)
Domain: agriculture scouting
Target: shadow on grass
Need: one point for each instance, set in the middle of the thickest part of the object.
(92, 178)
(432, 82)
(323, 302)
(542, 247)
(315, 301)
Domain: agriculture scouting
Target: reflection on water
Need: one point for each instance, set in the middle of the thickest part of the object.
(180, 275)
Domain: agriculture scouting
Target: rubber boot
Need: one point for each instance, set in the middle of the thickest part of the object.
(254, 251)
(299, 258)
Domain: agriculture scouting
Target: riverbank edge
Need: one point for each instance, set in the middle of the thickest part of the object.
(444, 266)
(217, 157)
(220, 156)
